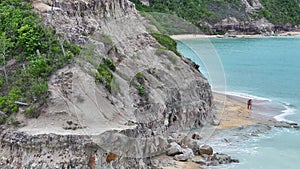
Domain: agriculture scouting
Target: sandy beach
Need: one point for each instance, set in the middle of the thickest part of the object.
(232, 112)
(197, 36)
(235, 113)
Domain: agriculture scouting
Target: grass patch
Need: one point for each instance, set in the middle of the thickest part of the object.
(104, 74)
(162, 51)
(106, 39)
(167, 42)
(139, 84)
(108, 63)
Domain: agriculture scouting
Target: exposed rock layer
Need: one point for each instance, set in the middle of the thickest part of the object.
(94, 127)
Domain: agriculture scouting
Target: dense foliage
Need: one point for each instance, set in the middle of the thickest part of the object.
(191, 10)
(29, 53)
(200, 11)
(281, 11)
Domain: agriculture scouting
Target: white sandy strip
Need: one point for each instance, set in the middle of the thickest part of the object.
(196, 36)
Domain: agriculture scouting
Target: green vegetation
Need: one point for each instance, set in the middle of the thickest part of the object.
(169, 24)
(104, 75)
(106, 39)
(278, 12)
(167, 42)
(281, 11)
(163, 51)
(191, 10)
(34, 52)
(140, 84)
(194, 11)
(141, 89)
(108, 63)
(12, 121)
(30, 112)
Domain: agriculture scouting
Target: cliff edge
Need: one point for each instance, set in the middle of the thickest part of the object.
(117, 103)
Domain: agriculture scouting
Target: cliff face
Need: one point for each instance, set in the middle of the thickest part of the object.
(153, 93)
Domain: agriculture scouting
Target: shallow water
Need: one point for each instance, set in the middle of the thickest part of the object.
(267, 69)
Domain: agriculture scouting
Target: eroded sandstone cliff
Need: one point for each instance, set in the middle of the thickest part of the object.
(154, 93)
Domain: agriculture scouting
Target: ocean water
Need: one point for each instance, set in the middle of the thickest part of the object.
(267, 69)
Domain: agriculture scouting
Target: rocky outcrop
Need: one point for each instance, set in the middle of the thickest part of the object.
(174, 149)
(153, 94)
(214, 160)
(252, 5)
(186, 154)
(233, 26)
(187, 148)
(145, 2)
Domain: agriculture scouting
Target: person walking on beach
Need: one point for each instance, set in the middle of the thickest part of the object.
(249, 104)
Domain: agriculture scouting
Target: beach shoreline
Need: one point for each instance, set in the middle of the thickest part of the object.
(232, 112)
(234, 121)
(199, 36)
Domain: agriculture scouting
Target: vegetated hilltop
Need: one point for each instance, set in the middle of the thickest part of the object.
(221, 16)
(113, 101)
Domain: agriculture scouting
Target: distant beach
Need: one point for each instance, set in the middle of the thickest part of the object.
(196, 36)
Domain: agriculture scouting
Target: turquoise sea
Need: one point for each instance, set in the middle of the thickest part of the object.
(267, 69)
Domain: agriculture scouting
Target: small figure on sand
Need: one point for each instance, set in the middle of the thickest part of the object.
(249, 104)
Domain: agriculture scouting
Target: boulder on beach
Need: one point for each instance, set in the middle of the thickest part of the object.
(206, 149)
(174, 149)
(187, 154)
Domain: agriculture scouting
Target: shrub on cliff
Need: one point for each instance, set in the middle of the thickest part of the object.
(29, 53)
(167, 42)
(104, 75)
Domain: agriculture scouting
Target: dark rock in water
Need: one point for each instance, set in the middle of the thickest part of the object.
(174, 149)
(293, 124)
(212, 163)
(187, 154)
(234, 161)
(220, 158)
(283, 124)
(206, 149)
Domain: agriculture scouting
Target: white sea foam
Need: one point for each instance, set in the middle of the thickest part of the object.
(244, 95)
(288, 111)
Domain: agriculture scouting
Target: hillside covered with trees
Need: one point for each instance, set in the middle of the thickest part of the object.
(198, 12)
